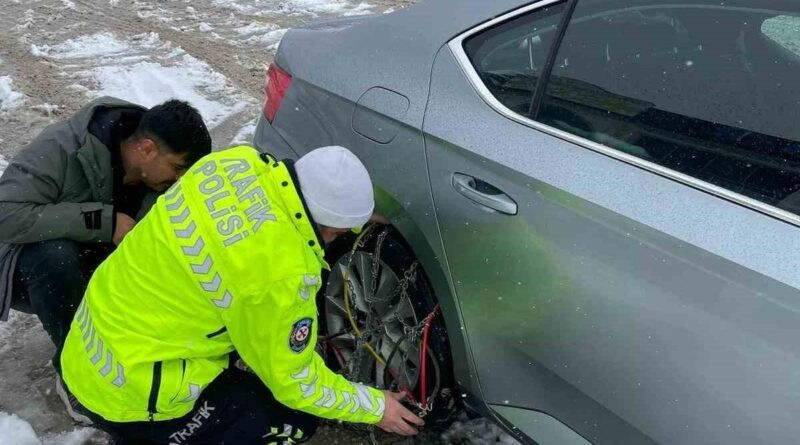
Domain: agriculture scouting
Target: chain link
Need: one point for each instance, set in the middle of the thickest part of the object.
(376, 263)
(424, 410)
(413, 333)
(372, 437)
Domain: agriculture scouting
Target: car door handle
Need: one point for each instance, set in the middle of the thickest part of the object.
(484, 194)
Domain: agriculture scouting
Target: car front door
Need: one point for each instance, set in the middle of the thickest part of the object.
(624, 245)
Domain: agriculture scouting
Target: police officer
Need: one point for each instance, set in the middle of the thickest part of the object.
(229, 258)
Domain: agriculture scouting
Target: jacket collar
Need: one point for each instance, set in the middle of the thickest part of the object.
(302, 221)
(93, 154)
(80, 121)
(310, 220)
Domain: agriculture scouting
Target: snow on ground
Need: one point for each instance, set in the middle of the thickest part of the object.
(9, 99)
(311, 8)
(261, 34)
(476, 432)
(30, 410)
(78, 436)
(27, 21)
(253, 28)
(148, 84)
(266, 19)
(68, 4)
(6, 327)
(147, 10)
(16, 431)
(102, 44)
(46, 109)
(3, 165)
(144, 70)
(270, 40)
(245, 134)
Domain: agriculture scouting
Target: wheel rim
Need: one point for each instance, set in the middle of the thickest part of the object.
(382, 316)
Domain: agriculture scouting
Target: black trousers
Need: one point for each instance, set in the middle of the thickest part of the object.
(236, 408)
(51, 278)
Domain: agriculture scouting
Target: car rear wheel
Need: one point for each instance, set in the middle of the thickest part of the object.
(373, 328)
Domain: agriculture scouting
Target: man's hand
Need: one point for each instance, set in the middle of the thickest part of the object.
(396, 418)
(124, 225)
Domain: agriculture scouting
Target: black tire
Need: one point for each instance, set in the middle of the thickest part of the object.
(398, 258)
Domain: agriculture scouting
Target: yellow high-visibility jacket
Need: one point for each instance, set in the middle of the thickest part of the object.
(227, 259)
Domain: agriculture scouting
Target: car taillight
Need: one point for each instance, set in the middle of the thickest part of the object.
(276, 86)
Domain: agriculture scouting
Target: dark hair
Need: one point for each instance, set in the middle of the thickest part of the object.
(176, 127)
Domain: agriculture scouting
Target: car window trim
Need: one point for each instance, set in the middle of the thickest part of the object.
(544, 77)
(456, 47)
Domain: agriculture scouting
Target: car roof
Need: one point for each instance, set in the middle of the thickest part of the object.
(447, 18)
(393, 51)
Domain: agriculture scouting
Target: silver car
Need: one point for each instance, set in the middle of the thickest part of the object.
(601, 196)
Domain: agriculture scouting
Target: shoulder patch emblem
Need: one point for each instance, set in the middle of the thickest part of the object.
(301, 334)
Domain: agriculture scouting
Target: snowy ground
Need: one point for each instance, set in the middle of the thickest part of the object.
(55, 55)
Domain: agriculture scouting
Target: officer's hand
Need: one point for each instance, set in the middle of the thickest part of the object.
(124, 225)
(378, 218)
(396, 418)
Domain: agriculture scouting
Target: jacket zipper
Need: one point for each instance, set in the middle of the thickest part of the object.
(154, 387)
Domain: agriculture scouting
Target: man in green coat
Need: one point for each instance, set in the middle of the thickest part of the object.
(76, 190)
(230, 258)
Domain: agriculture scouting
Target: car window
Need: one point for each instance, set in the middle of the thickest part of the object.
(698, 89)
(508, 57)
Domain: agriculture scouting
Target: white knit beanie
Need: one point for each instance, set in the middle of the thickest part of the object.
(336, 187)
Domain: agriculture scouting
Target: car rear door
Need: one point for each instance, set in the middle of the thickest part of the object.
(624, 244)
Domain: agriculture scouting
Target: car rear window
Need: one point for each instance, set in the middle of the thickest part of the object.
(707, 90)
(509, 57)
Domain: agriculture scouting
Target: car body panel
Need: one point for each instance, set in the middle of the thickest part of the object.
(267, 139)
(378, 114)
(590, 303)
(618, 304)
(546, 429)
